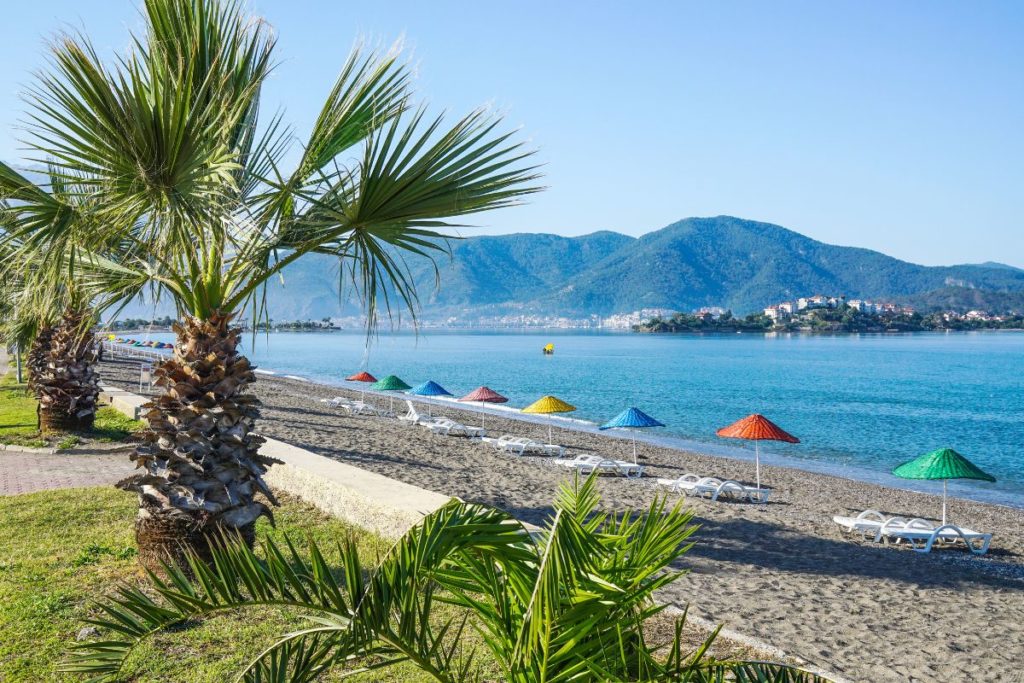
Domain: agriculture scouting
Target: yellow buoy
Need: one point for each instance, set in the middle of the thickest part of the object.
(549, 349)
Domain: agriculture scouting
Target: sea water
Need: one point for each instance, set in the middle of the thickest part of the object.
(860, 404)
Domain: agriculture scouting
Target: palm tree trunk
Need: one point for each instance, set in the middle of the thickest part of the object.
(36, 357)
(63, 376)
(201, 461)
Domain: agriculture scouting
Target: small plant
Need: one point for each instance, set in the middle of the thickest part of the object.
(92, 553)
(568, 603)
(69, 441)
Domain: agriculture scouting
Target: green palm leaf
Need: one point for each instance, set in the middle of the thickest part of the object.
(570, 606)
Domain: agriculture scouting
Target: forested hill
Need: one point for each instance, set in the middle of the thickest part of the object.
(722, 261)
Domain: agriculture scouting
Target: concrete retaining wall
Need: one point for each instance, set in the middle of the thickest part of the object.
(372, 501)
(123, 401)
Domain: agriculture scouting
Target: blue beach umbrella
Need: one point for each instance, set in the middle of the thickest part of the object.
(632, 419)
(429, 388)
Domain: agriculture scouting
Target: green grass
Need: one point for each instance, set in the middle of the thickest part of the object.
(18, 421)
(60, 550)
(111, 425)
(17, 413)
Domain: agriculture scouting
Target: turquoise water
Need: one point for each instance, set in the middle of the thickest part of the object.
(860, 404)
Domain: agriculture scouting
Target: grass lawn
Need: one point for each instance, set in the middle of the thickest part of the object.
(59, 550)
(17, 413)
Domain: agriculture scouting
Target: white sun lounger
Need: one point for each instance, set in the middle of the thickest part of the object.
(362, 408)
(919, 534)
(449, 427)
(714, 488)
(587, 463)
(414, 418)
(336, 402)
(871, 523)
(519, 445)
(867, 523)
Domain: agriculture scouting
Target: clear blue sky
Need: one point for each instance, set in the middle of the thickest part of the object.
(894, 126)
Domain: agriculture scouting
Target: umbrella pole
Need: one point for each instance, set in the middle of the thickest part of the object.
(757, 463)
(632, 433)
(943, 502)
(483, 416)
(551, 421)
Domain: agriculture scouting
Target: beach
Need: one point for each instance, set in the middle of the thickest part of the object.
(781, 573)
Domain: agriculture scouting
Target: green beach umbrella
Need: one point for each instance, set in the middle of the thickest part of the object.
(944, 464)
(390, 383)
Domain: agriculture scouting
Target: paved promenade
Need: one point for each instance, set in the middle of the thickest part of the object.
(22, 472)
(27, 472)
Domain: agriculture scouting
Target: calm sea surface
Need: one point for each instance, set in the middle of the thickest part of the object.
(860, 404)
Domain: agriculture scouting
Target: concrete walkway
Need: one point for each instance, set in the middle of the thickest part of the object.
(22, 472)
(27, 472)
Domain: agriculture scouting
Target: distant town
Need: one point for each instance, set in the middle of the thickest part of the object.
(830, 314)
(786, 310)
(819, 313)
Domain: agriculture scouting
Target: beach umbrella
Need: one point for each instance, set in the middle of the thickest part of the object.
(756, 428)
(484, 395)
(944, 464)
(390, 383)
(549, 405)
(429, 388)
(363, 376)
(632, 419)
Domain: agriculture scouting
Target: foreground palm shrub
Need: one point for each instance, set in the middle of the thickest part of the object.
(569, 603)
(63, 375)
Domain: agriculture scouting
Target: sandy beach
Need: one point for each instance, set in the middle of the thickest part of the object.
(782, 573)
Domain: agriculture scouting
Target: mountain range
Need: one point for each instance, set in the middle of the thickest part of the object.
(722, 261)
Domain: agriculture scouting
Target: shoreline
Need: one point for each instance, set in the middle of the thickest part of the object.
(680, 442)
(781, 573)
(685, 444)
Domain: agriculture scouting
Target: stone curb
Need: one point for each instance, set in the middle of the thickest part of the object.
(27, 449)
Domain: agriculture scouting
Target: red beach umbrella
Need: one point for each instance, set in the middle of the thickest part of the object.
(363, 376)
(484, 395)
(756, 428)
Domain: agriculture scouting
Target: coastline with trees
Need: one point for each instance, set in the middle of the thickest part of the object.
(841, 320)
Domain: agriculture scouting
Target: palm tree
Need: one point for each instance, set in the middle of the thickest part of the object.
(168, 146)
(65, 382)
(569, 603)
(49, 310)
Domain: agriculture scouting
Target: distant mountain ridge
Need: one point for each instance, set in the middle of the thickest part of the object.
(721, 261)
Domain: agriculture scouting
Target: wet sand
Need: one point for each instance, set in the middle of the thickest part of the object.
(782, 573)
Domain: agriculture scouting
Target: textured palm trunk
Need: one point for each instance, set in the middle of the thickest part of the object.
(36, 357)
(63, 374)
(202, 471)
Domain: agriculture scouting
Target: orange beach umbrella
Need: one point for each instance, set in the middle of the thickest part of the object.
(363, 376)
(756, 428)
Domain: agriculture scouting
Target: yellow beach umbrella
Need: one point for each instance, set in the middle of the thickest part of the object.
(548, 405)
